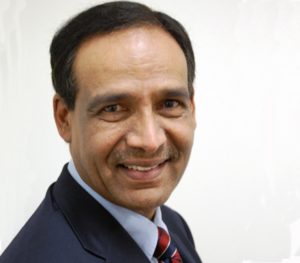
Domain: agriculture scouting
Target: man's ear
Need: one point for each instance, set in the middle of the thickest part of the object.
(62, 117)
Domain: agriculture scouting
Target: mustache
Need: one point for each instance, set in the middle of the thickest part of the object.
(163, 153)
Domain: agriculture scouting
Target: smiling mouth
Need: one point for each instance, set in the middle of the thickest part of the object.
(143, 171)
(141, 168)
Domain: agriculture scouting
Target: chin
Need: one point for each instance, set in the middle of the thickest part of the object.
(148, 202)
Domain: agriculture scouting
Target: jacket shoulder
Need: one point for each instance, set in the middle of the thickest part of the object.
(46, 237)
(176, 223)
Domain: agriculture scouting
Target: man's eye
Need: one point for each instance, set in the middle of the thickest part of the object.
(172, 108)
(171, 103)
(113, 113)
(112, 108)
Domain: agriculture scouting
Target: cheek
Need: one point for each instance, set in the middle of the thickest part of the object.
(181, 133)
(181, 137)
(103, 138)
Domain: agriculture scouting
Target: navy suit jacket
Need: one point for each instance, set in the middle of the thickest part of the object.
(71, 227)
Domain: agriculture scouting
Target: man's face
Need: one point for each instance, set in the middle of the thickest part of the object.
(132, 128)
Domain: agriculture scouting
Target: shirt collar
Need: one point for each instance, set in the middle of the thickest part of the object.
(141, 229)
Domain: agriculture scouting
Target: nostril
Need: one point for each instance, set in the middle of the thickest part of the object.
(148, 142)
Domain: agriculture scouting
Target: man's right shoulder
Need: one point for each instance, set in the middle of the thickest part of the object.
(46, 237)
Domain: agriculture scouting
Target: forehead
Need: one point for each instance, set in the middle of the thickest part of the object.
(139, 52)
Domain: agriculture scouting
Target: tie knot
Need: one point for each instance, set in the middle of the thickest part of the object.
(165, 251)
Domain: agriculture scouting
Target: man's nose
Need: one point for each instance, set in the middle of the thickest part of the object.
(146, 133)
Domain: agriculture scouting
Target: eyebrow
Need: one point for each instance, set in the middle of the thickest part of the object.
(113, 98)
(175, 93)
(105, 99)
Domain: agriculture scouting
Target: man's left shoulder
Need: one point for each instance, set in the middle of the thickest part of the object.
(176, 223)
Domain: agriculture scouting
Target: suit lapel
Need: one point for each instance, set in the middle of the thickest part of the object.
(97, 230)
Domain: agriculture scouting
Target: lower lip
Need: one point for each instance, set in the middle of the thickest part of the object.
(144, 175)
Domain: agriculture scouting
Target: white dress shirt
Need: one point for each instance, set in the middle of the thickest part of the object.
(141, 229)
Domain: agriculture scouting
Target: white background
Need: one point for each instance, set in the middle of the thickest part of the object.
(241, 191)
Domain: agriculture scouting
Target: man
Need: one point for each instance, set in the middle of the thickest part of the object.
(123, 76)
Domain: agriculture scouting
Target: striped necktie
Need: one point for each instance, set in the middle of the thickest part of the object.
(165, 251)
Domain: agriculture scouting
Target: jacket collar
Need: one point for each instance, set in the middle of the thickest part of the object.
(182, 248)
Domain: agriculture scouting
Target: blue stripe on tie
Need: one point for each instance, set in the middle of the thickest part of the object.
(168, 253)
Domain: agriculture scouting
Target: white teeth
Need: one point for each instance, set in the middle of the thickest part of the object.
(140, 168)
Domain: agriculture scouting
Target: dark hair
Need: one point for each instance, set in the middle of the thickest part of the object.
(104, 19)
